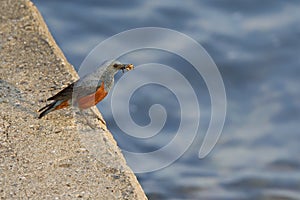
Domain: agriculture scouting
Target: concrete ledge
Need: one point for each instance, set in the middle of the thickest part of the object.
(59, 156)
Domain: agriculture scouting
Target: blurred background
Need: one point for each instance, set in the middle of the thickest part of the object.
(256, 46)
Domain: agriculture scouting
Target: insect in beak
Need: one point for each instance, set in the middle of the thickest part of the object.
(127, 67)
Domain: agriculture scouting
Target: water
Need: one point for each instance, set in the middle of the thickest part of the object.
(255, 45)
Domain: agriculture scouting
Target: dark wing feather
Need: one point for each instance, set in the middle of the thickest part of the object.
(64, 94)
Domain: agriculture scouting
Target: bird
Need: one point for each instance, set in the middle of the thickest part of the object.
(88, 90)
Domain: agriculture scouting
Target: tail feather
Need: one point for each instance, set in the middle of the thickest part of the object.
(48, 108)
(43, 108)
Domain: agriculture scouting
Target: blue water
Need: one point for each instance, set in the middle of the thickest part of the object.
(256, 46)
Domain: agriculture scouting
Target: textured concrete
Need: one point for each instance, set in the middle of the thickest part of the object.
(59, 156)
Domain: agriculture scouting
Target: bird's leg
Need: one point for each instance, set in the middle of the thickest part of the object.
(86, 120)
(98, 117)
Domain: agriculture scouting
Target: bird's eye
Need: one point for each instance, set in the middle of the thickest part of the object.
(115, 65)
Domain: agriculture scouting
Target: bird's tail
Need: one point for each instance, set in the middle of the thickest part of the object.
(59, 104)
(48, 108)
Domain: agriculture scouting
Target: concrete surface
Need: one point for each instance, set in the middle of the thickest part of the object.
(59, 156)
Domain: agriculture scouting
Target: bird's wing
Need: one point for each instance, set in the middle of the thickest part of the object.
(76, 90)
(64, 94)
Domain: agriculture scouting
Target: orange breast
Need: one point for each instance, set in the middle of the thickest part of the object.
(92, 99)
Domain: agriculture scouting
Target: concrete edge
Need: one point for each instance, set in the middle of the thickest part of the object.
(19, 145)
